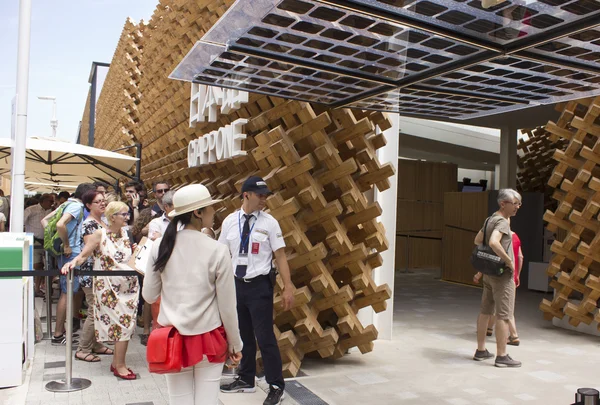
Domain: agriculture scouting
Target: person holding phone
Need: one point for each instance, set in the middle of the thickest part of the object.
(134, 191)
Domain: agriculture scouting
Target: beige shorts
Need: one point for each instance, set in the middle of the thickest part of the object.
(38, 254)
(498, 296)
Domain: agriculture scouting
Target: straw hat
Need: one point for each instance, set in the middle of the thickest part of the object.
(190, 198)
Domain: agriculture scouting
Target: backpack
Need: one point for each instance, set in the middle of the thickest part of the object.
(52, 241)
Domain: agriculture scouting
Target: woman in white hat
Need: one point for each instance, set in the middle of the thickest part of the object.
(191, 273)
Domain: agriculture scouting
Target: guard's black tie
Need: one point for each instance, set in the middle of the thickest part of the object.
(240, 270)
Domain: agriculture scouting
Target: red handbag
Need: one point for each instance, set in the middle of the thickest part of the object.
(164, 350)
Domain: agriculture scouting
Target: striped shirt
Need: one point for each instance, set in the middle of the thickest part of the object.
(32, 219)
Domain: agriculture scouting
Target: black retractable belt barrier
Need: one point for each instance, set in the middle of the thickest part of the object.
(69, 384)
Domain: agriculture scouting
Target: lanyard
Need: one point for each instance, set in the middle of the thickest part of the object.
(243, 241)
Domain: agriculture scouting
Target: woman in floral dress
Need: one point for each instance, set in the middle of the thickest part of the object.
(116, 296)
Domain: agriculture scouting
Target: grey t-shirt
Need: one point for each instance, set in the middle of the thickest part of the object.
(500, 224)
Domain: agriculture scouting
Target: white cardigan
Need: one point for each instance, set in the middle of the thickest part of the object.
(196, 288)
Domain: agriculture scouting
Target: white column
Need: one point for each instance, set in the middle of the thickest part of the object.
(18, 151)
(388, 200)
(508, 157)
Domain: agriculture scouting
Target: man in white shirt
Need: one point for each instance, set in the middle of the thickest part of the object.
(253, 238)
(158, 226)
(32, 221)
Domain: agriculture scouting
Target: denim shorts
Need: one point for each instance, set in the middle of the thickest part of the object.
(61, 260)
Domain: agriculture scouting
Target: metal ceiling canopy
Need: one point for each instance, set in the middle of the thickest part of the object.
(443, 58)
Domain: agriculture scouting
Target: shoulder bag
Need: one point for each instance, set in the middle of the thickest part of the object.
(485, 260)
(164, 350)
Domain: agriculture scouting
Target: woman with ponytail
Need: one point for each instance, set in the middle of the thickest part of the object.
(191, 273)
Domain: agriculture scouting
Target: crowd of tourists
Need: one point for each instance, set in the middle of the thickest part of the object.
(215, 292)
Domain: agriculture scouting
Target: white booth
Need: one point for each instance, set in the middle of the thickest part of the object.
(17, 302)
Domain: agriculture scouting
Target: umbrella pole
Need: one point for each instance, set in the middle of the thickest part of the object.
(138, 164)
(20, 132)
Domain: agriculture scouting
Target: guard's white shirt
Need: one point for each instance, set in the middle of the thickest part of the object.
(266, 236)
(159, 225)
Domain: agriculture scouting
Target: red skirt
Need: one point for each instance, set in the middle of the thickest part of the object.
(211, 344)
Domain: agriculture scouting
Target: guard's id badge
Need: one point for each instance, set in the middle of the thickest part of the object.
(242, 259)
(255, 248)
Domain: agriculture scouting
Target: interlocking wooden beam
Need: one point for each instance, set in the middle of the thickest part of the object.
(320, 163)
(575, 266)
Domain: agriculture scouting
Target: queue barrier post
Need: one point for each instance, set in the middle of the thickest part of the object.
(48, 298)
(587, 396)
(69, 384)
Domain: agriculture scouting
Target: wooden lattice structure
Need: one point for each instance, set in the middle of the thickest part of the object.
(575, 266)
(321, 163)
(535, 162)
(117, 109)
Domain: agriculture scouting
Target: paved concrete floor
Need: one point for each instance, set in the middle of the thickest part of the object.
(427, 362)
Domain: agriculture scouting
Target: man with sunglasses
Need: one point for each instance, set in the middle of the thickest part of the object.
(159, 188)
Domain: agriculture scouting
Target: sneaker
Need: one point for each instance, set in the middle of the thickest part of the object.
(62, 340)
(238, 385)
(481, 355)
(144, 339)
(506, 361)
(275, 396)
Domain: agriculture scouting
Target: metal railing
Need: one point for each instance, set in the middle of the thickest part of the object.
(69, 383)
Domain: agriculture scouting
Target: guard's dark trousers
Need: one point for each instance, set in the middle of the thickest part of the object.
(255, 316)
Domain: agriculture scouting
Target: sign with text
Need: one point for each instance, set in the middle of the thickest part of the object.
(207, 100)
(221, 144)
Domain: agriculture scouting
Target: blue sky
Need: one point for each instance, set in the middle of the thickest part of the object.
(66, 37)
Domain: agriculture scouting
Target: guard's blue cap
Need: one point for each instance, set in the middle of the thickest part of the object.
(256, 185)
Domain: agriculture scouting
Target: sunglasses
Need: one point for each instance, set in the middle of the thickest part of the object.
(162, 190)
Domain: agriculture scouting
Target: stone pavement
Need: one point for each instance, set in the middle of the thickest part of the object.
(106, 389)
(429, 361)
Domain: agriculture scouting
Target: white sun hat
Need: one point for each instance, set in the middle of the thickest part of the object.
(190, 198)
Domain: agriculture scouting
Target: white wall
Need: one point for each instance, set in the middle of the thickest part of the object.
(487, 139)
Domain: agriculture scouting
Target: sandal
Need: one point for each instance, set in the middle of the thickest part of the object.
(104, 351)
(513, 341)
(87, 358)
(489, 331)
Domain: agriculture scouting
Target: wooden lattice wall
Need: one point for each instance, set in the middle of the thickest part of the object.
(535, 162)
(117, 107)
(321, 163)
(575, 266)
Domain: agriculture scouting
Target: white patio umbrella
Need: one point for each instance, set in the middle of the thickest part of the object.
(48, 187)
(55, 161)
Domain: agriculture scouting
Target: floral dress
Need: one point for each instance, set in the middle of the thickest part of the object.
(116, 296)
(88, 227)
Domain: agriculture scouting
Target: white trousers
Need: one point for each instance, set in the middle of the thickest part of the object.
(197, 385)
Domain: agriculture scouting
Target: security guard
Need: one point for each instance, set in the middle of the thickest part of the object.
(253, 237)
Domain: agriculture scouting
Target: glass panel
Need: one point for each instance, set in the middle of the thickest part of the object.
(583, 48)
(508, 21)
(335, 38)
